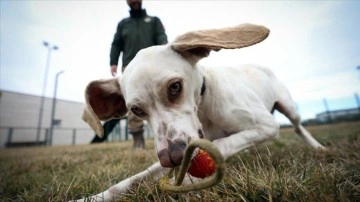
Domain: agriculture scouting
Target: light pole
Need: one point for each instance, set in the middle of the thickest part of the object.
(50, 48)
(52, 120)
(357, 95)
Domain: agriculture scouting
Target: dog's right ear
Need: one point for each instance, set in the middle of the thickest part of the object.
(196, 45)
(103, 101)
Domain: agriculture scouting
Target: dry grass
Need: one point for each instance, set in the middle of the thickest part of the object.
(284, 170)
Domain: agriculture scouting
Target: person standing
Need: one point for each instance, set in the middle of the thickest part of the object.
(133, 33)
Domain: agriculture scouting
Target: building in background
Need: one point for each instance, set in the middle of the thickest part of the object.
(339, 115)
(19, 115)
(19, 118)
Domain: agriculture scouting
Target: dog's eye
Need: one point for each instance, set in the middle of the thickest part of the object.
(137, 111)
(175, 89)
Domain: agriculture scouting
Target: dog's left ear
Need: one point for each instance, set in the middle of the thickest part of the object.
(103, 101)
(198, 44)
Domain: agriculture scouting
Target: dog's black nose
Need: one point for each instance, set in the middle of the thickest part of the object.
(172, 156)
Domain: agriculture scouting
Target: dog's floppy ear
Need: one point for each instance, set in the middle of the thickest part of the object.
(198, 44)
(103, 101)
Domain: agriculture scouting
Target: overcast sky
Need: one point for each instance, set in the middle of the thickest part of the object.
(313, 47)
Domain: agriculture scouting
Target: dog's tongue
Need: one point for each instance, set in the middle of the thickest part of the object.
(202, 165)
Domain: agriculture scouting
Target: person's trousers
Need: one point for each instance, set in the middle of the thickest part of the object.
(136, 129)
(108, 127)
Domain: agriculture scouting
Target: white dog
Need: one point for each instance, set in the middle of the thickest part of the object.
(183, 101)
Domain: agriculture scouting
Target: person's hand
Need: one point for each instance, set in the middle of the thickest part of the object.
(113, 70)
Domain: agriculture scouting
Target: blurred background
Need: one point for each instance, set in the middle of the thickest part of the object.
(50, 51)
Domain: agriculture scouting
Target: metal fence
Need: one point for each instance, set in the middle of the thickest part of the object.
(26, 136)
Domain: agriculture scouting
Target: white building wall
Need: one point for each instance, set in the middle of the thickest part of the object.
(21, 112)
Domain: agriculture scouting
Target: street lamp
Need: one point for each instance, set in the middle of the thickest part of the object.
(50, 48)
(52, 120)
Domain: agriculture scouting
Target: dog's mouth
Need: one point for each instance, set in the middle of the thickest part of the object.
(172, 156)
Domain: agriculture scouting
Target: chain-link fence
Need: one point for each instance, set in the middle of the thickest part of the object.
(27, 136)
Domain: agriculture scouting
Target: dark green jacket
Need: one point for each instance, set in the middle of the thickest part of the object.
(135, 33)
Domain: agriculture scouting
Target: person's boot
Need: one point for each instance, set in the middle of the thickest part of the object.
(139, 141)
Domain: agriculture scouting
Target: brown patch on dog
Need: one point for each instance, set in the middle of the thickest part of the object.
(164, 95)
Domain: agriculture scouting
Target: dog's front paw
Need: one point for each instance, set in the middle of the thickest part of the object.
(110, 194)
(223, 147)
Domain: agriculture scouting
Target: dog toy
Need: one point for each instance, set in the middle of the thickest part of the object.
(199, 168)
(202, 165)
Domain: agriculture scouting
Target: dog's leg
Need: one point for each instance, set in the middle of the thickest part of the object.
(264, 127)
(155, 171)
(287, 107)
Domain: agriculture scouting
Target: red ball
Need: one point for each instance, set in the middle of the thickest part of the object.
(202, 165)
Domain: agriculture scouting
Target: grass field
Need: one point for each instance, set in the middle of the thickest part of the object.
(283, 170)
